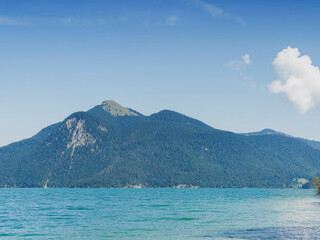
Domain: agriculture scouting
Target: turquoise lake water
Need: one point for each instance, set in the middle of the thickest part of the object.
(159, 214)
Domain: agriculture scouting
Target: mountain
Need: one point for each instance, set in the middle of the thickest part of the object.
(114, 146)
(268, 131)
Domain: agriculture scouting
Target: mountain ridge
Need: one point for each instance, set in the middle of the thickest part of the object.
(99, 148)
(267, 131)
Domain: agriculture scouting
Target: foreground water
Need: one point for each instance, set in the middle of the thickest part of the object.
(159, 214)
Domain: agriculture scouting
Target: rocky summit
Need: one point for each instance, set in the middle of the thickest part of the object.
(115, 109)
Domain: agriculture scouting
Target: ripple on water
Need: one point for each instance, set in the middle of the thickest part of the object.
(159, 205)
(306, 233)
(177, 219)
(77, 208)
(159, 214)
(196, 211)
(7, 234)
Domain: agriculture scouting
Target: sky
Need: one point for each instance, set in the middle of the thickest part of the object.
(239, 66)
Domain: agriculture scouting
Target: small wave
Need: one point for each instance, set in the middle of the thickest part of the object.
(7, 234)
(177, 219)
(307, 233)
(77, 208)
(33, 235)
(196, 211)
(159, 205)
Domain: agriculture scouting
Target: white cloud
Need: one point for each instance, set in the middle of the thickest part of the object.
(71, 21)
(218, 12)
(239, 69)
(297, 78)
(172, 21)
(238, 64)
(246, 59)
(9, 21)
(64, 21)
(248, 82)
(234, 64)
(213, 10)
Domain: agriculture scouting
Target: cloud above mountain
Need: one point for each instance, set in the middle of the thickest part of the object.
(239, 68)
(246, 59)
(9, 21)
(239, 64)
(215, 11)
(297, 78)
(172, 20)
(63, 21)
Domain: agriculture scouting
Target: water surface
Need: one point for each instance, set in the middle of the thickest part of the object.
(159, 214)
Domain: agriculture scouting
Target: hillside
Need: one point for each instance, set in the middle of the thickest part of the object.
(114, 146)
(268, 131)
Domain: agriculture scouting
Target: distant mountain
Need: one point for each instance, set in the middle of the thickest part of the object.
(268, 131)
(114, 146)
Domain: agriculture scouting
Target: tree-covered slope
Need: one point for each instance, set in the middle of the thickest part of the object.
(268, 131)
(121, 147)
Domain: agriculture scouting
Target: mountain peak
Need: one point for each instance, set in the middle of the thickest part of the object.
(271, 131)
(266, 131)
(115, 109)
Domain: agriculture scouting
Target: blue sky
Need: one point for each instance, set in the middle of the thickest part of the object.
(59, 57)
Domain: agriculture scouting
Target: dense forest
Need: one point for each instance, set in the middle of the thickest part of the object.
(113, 146)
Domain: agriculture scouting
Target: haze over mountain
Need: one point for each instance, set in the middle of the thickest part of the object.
(114, 146)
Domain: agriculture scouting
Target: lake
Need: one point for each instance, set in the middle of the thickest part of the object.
(159, 214)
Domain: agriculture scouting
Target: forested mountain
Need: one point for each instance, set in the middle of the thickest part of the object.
(268, 131)
(114, 146)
